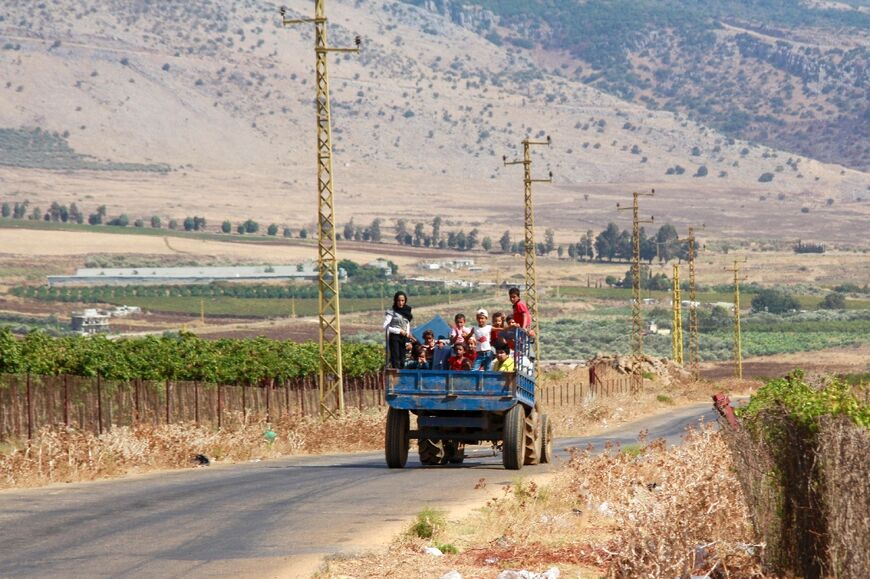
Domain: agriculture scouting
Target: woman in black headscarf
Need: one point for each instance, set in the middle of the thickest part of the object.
(397, 324)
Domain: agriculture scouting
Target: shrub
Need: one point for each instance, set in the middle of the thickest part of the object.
(774, 301)
(765, 178)
(834, 301)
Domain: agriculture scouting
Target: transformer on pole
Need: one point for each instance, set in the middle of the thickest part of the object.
(330, 374)
(529, 225)
(636, 314)
(677, 326)
(738, 345)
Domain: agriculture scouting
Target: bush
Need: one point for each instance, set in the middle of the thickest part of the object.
(834, 301)
(774, 301)
(765, 178)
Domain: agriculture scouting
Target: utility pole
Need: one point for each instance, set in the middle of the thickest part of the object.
(636, 315)
(677, 327)
(330, 374)
(529, 223)
(738, 346)
(694, 331)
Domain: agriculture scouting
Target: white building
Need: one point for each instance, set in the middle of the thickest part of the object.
(90, 322)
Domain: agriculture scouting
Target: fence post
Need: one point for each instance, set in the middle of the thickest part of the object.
(29, 410)
(168, 405)
(66, 400)
(137, 383)
(219, 410)
(196, 402)
(99, 405)
(268, 402)
(244, 405)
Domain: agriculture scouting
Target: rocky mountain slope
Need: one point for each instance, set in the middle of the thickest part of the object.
(178, 108)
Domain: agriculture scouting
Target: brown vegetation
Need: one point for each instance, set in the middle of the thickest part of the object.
(647, 511)
(68, 455)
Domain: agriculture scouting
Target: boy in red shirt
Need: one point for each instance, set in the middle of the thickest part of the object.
(458, 361)
(521, 314)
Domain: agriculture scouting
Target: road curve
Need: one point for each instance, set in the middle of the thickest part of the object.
(268, 518)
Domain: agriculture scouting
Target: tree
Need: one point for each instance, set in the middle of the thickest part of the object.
(188, 223)
(288, 232)
(606, 242)
(36, 214)
(272, 229)
(75, 215)
(668, 242)
(374, 230)
(624, 248)
(419, 234)
(349, 229)
(303, 233)
(120, 221)
(401, 230)
(834, 301)
(251, 226)
(436, 228)
(486, 243)
(139, 223)
(351, 267)
(226, 227)
(647, 247)
(505, 241)
(173, 224)
(241, 229)
(5, 210)
(95, 219)
(560, 251)
(701, 172)
(549, 240)
(473, 239)
(155, 222)
(774, 301)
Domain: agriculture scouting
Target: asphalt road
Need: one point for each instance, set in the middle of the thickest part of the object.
(270, 518)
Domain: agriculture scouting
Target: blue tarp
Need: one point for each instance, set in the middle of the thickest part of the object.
(437, 325)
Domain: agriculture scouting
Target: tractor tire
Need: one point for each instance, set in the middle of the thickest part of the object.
(432, 452)
(397, 442)
(513, 447)
(455, 451)
(532, 438)
(546, 439)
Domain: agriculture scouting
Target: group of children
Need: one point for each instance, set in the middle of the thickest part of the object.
(486, 346)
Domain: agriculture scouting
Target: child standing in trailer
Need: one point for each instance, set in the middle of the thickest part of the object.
(497, 327)
(458, 361)
(459, 334)
(521, 314)
(397, 324)
(483, 337)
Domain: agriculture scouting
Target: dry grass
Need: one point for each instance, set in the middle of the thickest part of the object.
(59, 455)
(658, 512)
(600, 413)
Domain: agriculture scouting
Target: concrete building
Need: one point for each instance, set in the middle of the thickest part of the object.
(90, 322)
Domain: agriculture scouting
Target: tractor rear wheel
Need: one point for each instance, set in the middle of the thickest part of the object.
(397, 443)
(546, 439)
(513, 447)
(432, 452)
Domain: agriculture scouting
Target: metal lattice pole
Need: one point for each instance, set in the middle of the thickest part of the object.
(694, 333)
(529, 226)
(636, 313)
(330, 378)
(738, 345)
(677, 327)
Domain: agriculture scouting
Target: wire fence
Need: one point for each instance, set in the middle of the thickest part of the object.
(30, 402)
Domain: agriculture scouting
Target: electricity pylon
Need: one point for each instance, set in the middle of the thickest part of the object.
(531, 270)
(677, 327)
(330, 375)
(636, 315)
(738, 346)
(694, 328)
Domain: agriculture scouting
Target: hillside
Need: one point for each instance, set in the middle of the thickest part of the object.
(176, 109)
(792, 75)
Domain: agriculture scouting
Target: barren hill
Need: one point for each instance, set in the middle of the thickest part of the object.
(179, 108)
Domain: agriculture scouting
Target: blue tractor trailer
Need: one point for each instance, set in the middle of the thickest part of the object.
(454, 409)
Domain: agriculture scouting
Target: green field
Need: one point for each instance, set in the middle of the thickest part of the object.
(264, 307)
(806, 301)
